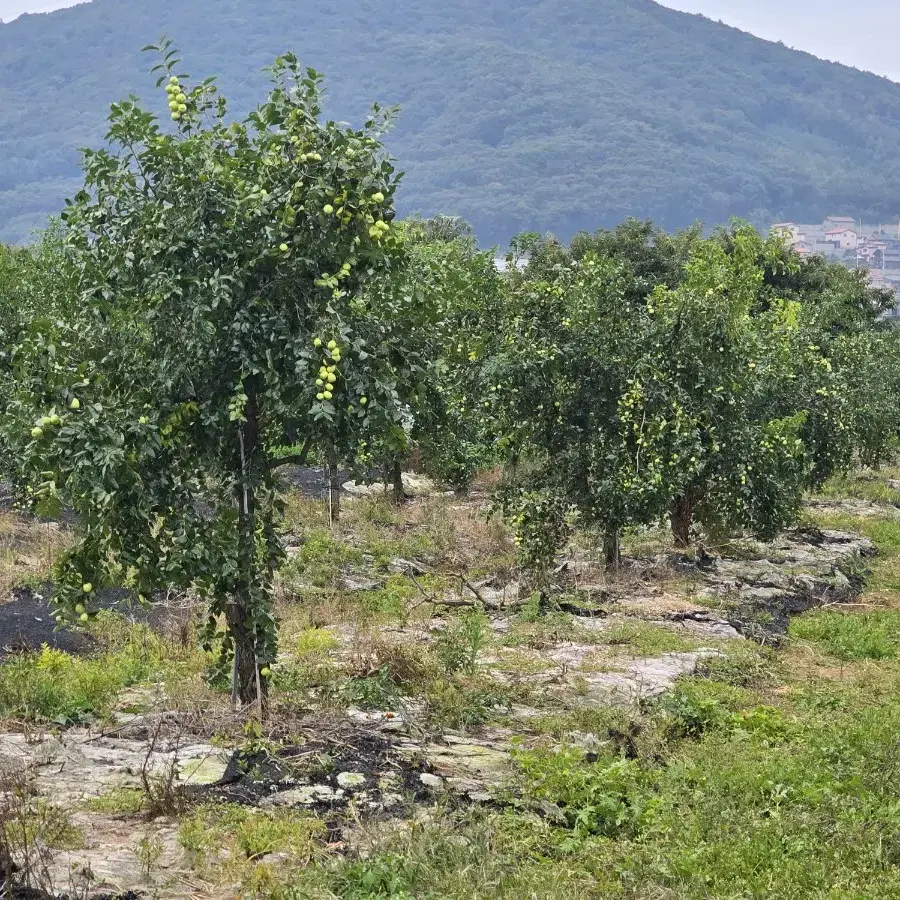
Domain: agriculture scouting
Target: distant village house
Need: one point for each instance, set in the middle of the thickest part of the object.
(875, 248)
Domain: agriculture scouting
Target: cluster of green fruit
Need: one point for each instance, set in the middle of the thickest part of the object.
(80, 610)
(177, 98)
(307, 157)
(43, 423)
(52, 420)
(328, 374)
(379, 230)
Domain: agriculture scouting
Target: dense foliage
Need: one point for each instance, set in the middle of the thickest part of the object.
(236, 295)
(638, 376)
(552, 117)
(216, 307)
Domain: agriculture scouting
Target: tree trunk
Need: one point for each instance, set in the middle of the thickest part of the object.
(248, 686)
(612, 549)
(334, 489)
(398, 491)
(681, 517)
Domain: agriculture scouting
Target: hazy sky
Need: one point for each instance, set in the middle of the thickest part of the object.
(9, 9)
(863, 35)
(858, 34)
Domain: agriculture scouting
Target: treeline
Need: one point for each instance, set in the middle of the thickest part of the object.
(234, 297)
(582, 115)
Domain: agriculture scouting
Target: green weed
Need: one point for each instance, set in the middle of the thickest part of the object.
(310, 664)
(226, 841)
(466, 703)
(52, 686)
(376, 691)
(122, 800)
(320, 560)
(608, 797)
(860, 484)
(644, 639)
(867, 635)
(458, 645)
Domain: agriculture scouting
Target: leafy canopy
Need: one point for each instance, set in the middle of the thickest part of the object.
(218, 313)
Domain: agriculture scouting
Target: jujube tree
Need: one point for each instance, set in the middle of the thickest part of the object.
(219, 274)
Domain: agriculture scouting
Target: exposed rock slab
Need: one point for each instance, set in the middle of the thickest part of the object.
(79, 765)
(413, 486)
(795, 573)
(857, 508)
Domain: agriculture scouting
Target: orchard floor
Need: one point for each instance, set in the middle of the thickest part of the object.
(720, 724)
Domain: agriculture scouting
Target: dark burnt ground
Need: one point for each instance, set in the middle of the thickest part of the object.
(26, 622)
(310, 481)
(326, 776)
(20, 892)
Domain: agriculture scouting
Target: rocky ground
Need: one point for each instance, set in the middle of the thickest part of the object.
(357, 741)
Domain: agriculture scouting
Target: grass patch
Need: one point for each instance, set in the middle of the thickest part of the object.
(118, 801)
(466, 702)
(55, 687)
(228, 844)
(320, 560)
(851, 636)
(863, 484)
(388, 602)
(541, 630)
(636, 638)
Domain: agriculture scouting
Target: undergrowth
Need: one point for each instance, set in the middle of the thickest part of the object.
(53, 686)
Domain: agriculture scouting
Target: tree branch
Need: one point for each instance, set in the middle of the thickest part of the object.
(295, 459)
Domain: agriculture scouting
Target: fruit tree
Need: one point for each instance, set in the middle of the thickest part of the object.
(219, 269)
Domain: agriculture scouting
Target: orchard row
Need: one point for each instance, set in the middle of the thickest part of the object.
(180, 335)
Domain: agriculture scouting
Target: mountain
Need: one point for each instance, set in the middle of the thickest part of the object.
(516, 114)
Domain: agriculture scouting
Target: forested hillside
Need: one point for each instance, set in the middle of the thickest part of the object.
(548, 114)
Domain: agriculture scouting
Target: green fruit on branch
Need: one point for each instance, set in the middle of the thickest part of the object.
(87, 587)
(75, 404)
(37, 433)
(84, 617)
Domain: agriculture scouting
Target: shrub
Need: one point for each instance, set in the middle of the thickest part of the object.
(608, 797)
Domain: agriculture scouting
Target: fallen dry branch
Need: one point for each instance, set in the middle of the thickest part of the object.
(480, 599)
